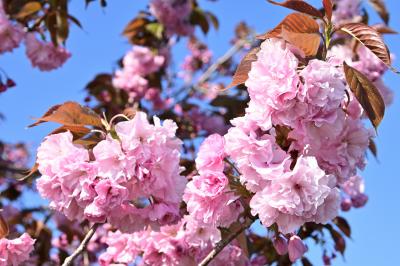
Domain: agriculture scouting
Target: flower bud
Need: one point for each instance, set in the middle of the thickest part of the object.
(280, 245)
(296, 248)
(326, 259)
(359, 201)
(346, 204)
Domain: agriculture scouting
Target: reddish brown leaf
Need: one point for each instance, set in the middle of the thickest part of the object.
(328, 6)
(242, 71)
(29, 9)
(307, 42)
(296, 23)
(301, 6)
(384, 29)
(70, 114)
(369, 37)
(31, 172)
(343, 225)
(380, 7)
(372, 147)
(77, 131)
(4, 231)
(366, 93)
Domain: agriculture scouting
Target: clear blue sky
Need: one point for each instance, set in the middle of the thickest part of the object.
(96, 49)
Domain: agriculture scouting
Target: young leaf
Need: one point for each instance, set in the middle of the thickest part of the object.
(366, 93)
(380, 7)
(301, 6)
(296, 23)
(343, 225)
(369, 37)
(328, 6)
(242, 71)
(307, 42)
(4, 231)
(70, 114)
(28, 9)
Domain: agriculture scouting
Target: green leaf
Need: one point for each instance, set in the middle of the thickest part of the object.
(156, 29)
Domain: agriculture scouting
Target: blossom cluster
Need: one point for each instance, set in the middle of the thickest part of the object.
(298, 142)
(174, 15)
(183, 243)
(200, 56)
(139, 62)
(16, 252)
(42, 55)
(130, 180)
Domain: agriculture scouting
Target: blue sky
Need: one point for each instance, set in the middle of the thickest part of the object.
(97, 48)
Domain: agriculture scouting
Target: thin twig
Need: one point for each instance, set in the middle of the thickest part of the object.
(220, 61)
(224, 242)
(8, 167)
(69, 260)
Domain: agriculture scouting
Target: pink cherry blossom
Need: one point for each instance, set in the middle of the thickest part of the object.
(174, 15)
(273, 80)
(11, 34)
(45, 55)
(16, 252)
(208, 199)
(295, 197)
(139, 62)
(257, 156)
(280, 245)
(296, 248)
(346, 11)
(211, 154)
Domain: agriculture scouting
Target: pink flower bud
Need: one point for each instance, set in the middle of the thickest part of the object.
(346, 204)
(296, 248)
(359, 201)
(326, 259)
(280, 245)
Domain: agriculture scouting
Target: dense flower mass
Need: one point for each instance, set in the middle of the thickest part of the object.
(244, 177)
(296, 180)
(174, 15)
(132, 181)
(44, 55)
(16, 252)
(183, 244)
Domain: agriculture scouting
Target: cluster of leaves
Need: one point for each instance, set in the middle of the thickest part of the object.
(43, 16)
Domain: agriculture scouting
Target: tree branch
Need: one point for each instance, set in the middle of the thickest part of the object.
(231, 52)
(69, 260)
(224, 242)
